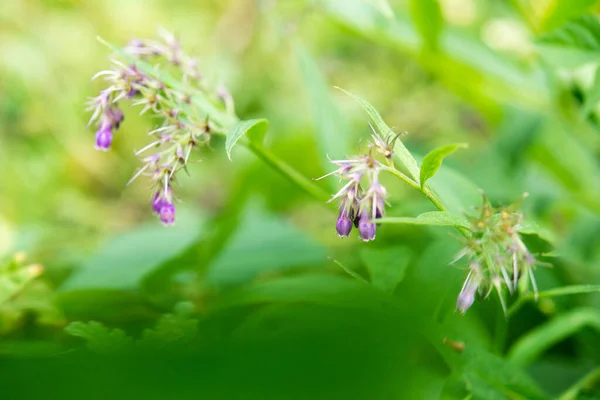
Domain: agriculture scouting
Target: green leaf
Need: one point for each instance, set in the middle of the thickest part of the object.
(488, 376)
(433, 218)
(263, 243)
(531, 345)
(254, 129)
(400, 150)
(340, 291)
(560, 11)
(177, 329)
(575, 43)
(331, 126)
(123, 262)
(592, 96)
(433, 161)
(387, 266)
(427, 17)
(99, 338)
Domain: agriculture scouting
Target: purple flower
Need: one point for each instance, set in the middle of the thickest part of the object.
(104, 137)
(167, 213)
(162, 205)
(466, 297)
(132, 92)
(114, 116)
(366, 228)
(344, 224)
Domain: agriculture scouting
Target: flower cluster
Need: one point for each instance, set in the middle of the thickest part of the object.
(143, 79)
(497, 256)
(361, 207)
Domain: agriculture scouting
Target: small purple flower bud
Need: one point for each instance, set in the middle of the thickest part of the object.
(161, 199)
(114, 116)
(131, 93)
(466, 297)
(104, 137)
(167, 213)
(366, 228)
(343, 225)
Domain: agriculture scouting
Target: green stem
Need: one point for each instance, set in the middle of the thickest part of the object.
(427, 192)
(587, 381)
(561, 291)
(286, 170)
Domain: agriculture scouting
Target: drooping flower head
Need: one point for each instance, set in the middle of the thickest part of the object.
(498, 257)
(140, 78)
(359, 207)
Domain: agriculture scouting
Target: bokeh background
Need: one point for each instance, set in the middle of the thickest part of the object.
(253, 252)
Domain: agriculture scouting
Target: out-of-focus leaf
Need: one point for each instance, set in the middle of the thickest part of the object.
(460, 194)
(433, 161)
(531, 345)
(427, 17)
(434, 218)
(126, 259)
(575, 43)
(488, 376)
(14, 278)
(560, 11)
(387, 266)
(536, 239)
(400, 151)
(331, 127)
(592, 96)
(177, 328)
(99, 338)
(501, 78)
(384, 7)
(254, 129)
(263, 243)
(332, 290)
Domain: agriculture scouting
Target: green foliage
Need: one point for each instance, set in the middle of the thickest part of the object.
(433, 161)
(99, 338)
(534, 343)
(127, 259)
(400, 151)
(575, 43)
(428, 20)
(387, 267)
(254, 130)
(269, 302)
(171, 332)
(433, 218)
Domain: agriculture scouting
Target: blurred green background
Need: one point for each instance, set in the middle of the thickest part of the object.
(251, 251)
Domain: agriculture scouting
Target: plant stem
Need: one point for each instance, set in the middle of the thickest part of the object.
(561, 291)
(587, 381)
(286, 170)
(427, 192)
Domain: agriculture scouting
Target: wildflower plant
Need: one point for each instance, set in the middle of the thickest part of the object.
(161, 79)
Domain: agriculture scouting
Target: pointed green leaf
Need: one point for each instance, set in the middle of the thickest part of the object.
(254, 129)
(433, 161)
(400, 150)
(433, 218)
